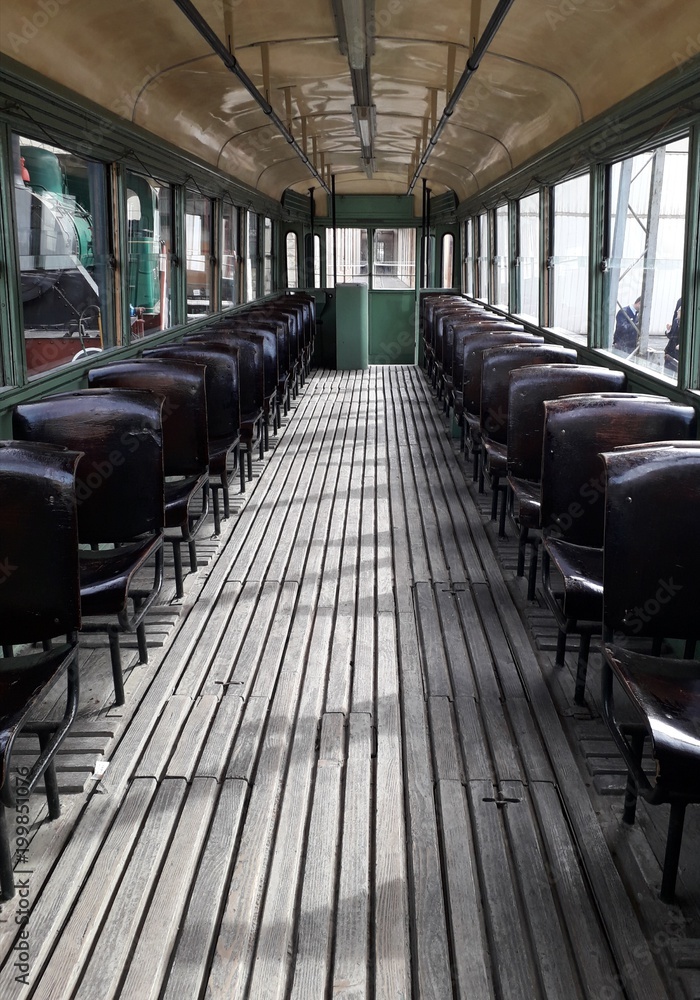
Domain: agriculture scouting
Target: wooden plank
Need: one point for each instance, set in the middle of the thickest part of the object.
(467, 930)
(157, 935)
(51, 909)
(512, 968)
(446, 753)
(568, 879)
(508, 677)
(220, 738)
(432, 975)
(188, 973)
(364, 656)
(551, 949)
(115, 939)
(352, 942)
(341, 665)
(316, 919)
(162, 740)
(383, 572)
(398, 511)
(437, 678)
(334, 547)
(277, 920)
(392, 948)
(189, 745)
(273, 653)
(242, 668)
(248, 739)
(233, 953)
(211, 637)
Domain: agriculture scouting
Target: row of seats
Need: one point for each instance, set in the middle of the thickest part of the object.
(96, 480)
(607, 483)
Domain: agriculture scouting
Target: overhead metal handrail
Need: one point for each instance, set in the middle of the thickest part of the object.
(471, 67)
(231, 63)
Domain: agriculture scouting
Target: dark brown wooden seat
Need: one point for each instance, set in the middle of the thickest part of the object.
(185, 442)
(497, 364)
(652, 592)
(308, 304)
(576, 430)
(244, 326)
(223, 416)
(529, 388)
(120, 491)
(461, 329)
(39, 600)
(251, 380)
(473, 353)
(428, 303)
(264, 317)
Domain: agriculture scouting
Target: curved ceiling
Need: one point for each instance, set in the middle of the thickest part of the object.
(552, 65)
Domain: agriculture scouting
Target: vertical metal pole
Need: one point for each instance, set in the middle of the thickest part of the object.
(335, 235)
(422, 237)
(657, 177)
(311, 259)
(617, 247)
(428, 256)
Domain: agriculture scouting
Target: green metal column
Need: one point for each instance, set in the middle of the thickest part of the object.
(352, 326)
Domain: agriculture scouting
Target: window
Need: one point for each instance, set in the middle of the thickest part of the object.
(198, 246)
(468, 276)
(229, 256)
(501, 258)
(483, 258)
(267, 256)
(149, 236)
(448, 256)
(353, 256)
(251, 260)
(569, 263)
(647, 206)
(61, 203)
(394, 264)
(529, 256)
(292, 245)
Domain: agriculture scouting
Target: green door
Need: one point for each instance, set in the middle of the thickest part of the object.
(392, 297)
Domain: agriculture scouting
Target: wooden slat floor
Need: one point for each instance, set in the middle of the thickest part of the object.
(343, 773)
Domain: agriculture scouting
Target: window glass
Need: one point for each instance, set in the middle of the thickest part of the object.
(229, 256)
(569, 273)
(61, 203)
(448, 254)
(317, 260)
(645, 268)
(267, 260)
(529, 256)
(394, 258)
(198, 246)
(468, 277)
(483, 258)
(251, 270)
(353, 256)
(149, 234)
(292, 261)
(500, 268)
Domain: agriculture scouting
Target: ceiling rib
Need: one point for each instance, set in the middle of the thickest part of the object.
(495, 22)
(232, 64)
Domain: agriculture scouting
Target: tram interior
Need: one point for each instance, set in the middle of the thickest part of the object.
(354, 757)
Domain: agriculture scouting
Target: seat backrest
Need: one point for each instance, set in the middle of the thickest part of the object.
(529, 388)
(182, 385)
(119, 481)
(221, 378)
(265, 335)
(651, 550)
(473, 352)
(251, 361)
(266, 318)
(39, 577)
(496, 365)
(462, 329)
(576, 430)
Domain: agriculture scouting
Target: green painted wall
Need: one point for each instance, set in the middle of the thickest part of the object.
(392, 327)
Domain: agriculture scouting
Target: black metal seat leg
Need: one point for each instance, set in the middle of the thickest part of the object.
(673, 852)
(635, 740)
(217, 514)
(50, 780)
(177, 560)
(582, 667)
(522, 545)
(141, 640)
(532, 574)
(502, 488)
(194, 564)
(7, 878)
(117, 676)
(561, 647)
